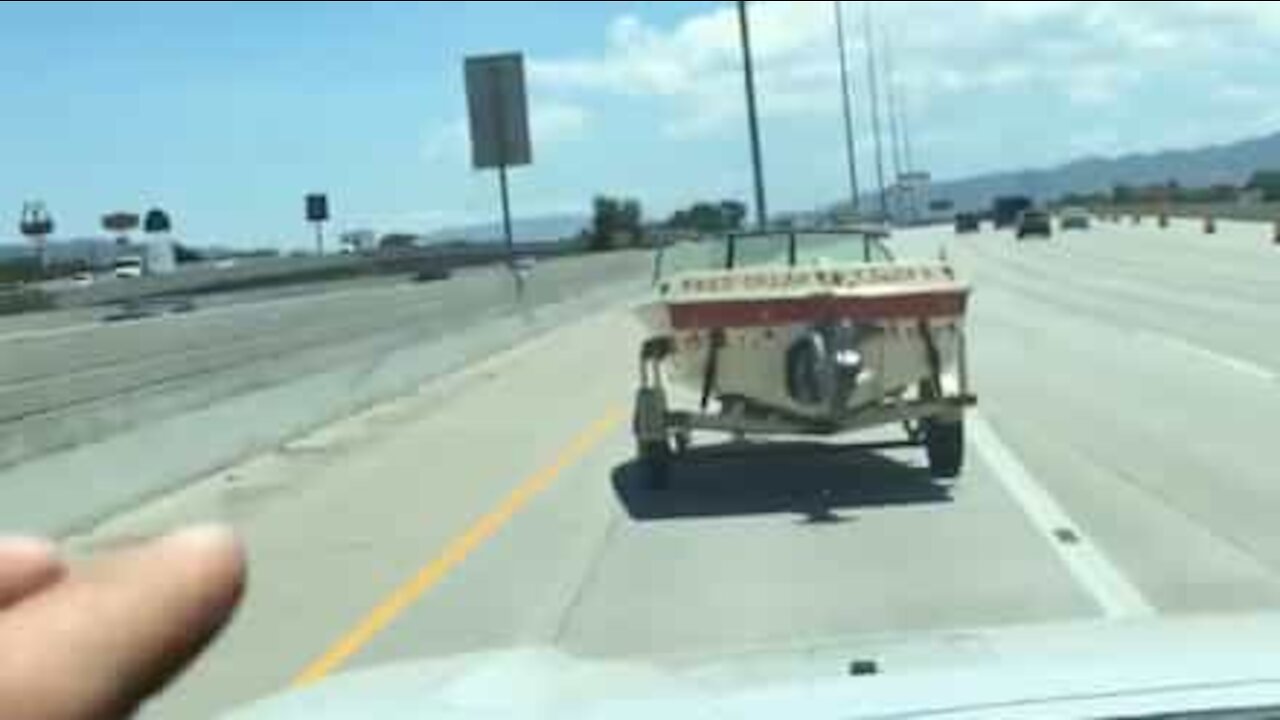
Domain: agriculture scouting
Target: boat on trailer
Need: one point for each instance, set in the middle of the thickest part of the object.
(802, 332)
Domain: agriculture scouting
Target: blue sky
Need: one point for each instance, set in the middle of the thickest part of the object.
(227, 113)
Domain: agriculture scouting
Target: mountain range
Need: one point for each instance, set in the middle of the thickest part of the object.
(1199, 167)
(525, 229)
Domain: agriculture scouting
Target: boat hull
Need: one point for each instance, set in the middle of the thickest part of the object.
(901, 334)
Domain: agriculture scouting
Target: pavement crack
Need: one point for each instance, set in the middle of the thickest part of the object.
(586, 579)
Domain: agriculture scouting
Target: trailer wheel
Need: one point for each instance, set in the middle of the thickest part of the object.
(944, 444)
(683, 441)
(655, 463)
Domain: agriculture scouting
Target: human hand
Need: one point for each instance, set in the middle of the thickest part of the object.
(93, 642)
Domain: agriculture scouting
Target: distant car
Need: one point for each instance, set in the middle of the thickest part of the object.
(1074, 218)
(82, 278)
(967, 223)
(433, 273)
(1006, 210)
(1034, 223)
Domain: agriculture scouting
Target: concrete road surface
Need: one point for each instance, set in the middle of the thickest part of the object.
(1121, 465)
(95, 415)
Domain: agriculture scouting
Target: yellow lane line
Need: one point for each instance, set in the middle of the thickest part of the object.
(455, 552)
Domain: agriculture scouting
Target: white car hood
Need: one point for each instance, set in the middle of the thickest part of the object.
(1085, 669)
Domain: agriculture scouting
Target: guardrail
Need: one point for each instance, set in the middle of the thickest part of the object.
(258, 272)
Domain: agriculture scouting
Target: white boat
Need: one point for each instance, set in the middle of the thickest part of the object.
(802, 332)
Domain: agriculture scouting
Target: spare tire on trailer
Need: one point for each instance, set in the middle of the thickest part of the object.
(655, 463)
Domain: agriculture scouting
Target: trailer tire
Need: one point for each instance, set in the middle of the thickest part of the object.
(655, 464)
(944, 445)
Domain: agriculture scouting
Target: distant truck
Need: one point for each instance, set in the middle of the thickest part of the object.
(157, 257)
(968, 222)
(1006, 210)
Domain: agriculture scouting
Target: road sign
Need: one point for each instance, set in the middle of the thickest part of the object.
(317, 207)
(318, 214)
(35, 222)
(498, 110)
(156, 221)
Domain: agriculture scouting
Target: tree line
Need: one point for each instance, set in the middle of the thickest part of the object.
(1265, 183)
(618, 222)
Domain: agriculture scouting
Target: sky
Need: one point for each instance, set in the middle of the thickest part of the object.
(226, 114)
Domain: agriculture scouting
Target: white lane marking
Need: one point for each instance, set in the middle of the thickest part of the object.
(49, 332)
(1239, 365)
(1109, 588)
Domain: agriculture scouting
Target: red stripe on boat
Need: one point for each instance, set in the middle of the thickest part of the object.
(756, 313)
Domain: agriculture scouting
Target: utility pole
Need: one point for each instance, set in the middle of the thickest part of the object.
(873, 89)
(851, 153)
(903, 106)
(906, 131)
(892, 105)
(753, 126)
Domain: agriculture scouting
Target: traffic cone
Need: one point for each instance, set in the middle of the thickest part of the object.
(1210, 227)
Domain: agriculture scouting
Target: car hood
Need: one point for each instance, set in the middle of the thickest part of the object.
(1080, 669)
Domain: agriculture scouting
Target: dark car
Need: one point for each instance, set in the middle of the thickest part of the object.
(1074, 219)
(967, 223)
(1005, 210)
(1034, 223)
(432, 273)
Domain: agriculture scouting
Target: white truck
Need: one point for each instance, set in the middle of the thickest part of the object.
(157, 257)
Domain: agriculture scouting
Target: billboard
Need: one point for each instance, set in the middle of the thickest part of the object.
(317, 207)
(498, 111)
(120, 222)
(35, 222)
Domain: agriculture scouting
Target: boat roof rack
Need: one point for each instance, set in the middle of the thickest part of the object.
(868, 233)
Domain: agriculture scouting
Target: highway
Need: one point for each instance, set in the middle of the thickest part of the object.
(1120, 467)
(144, 402)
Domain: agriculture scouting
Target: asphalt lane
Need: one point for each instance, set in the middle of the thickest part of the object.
(1119, 466)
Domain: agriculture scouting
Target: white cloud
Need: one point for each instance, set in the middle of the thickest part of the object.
(1242, 93)
(446, 142)
(1084, 53)
(696, 63)
(551, 123)
(389, 220)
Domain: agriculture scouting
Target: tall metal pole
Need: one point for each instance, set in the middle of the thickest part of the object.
(499, 127)
(903, 106)
(891, 106)
(506, 213)
(762, 212)
(873, 88)
(850, 149)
